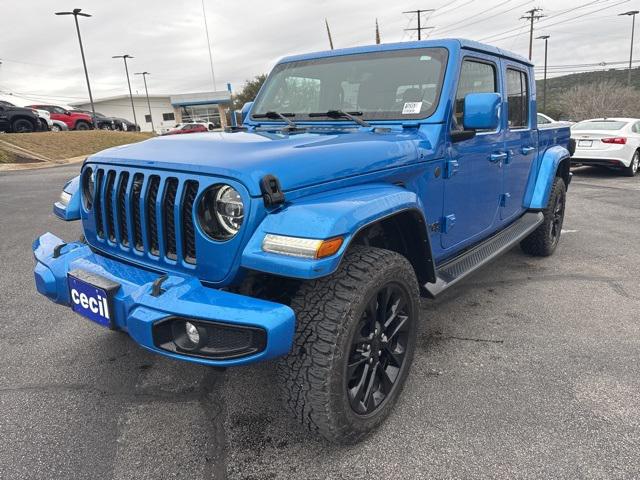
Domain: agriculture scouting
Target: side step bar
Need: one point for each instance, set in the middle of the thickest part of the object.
(456, 269)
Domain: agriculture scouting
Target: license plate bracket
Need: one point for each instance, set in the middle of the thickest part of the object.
(585, 143)
(92, 296)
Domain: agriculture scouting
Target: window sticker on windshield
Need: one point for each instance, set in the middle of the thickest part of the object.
(411, 107)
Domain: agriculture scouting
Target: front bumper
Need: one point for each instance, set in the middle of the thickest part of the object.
(136, 310)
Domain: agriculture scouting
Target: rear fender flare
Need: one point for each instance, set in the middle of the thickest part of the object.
(538, 193)
(341, 213)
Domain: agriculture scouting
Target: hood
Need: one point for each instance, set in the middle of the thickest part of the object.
(298, 160)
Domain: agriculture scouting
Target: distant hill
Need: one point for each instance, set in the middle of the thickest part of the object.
(557, 85)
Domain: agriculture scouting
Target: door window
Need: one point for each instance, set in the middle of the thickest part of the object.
(59, 110)
(475, 77)
(518, 98)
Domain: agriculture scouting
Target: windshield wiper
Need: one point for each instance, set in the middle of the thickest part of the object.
(278, 116)
(342, 114)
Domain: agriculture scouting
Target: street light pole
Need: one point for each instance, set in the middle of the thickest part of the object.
(632, 14)
(544, 83)
(126, 69)
(146, 91)
(78, 12)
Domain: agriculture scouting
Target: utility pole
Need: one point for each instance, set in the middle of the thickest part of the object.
(326, 22)
(77, 12)
(206, 29)
(146, 91)
(532, 16)
(544, 84)
(126, 69)
(632, 14)
(418, 14)
(377, 33)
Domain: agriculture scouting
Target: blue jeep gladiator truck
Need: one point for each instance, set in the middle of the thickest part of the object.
(360, 180)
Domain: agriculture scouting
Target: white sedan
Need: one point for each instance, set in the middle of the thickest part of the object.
(608, 142)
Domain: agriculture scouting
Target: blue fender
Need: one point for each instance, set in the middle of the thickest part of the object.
(538, 192)
(71, 211)
(342, 212)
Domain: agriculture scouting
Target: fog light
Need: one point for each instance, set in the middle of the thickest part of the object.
(192, 332)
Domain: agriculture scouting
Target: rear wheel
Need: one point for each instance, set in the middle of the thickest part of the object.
(632, 169)
(354, 344)
(543, 240)
(22, 125)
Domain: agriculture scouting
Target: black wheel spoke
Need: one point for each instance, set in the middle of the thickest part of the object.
(378, 347)
(402, 322)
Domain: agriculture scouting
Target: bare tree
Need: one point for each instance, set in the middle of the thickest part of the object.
(602, 99)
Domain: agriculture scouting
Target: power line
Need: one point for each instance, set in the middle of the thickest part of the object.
(448, 28)
(419, 28)
(562, 21)
(550, 17)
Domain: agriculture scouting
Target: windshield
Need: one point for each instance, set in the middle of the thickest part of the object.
(601, 125)
(402, 84)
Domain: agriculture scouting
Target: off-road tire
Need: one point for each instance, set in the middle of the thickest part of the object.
(632, 169)
(542, 242)
(81, 125)
(329, 312)
(22, 125)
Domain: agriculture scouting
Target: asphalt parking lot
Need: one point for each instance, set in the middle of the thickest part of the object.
(529, 369)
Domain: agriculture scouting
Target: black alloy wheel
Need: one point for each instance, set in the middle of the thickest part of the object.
(378, 349)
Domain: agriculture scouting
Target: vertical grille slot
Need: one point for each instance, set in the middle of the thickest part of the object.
(169, 219)
(97, 204)
(122, 208)
(136, 192)
(108, 203)
(188, 228)
(152, 218)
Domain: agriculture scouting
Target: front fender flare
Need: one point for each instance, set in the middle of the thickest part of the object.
(343, 213)
(538, 195)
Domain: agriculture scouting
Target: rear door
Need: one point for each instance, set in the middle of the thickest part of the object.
(473, 177)
(521, 139)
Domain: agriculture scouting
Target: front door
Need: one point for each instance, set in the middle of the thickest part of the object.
(473, 177)
(521, 140)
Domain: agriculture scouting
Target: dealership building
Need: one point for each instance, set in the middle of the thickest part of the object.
(166, 110)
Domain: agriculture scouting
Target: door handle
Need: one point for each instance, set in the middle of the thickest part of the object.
(498, 157)
(527, 150)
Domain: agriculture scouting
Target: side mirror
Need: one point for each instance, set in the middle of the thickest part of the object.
(67, 207)
(482, 111)
(246, 108)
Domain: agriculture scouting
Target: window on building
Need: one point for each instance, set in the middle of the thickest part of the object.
(147, 118)
(168, 117)
(518, 98)
(475, 77)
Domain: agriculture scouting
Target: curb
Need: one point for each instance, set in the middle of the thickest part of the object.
(11, 167)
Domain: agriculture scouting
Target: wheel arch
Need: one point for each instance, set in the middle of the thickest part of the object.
(383, 215)
(555, 162)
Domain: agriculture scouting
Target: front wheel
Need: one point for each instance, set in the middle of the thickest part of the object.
(22, 125)
(632, 169)
(83, 126)
(543, 240)
(354, 344)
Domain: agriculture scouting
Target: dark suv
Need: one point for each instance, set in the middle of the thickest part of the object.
(17, 120)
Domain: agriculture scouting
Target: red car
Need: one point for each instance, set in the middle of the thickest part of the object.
(74, 120)
(188, 128)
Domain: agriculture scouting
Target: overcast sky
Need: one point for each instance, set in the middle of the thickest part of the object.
(41, 59)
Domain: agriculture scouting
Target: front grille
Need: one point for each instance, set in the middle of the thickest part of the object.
(147, 212)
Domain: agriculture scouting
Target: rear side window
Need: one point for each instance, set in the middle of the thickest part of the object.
(518, 98)
(475, 77)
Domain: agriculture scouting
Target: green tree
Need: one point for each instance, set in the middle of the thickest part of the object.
(249, 91)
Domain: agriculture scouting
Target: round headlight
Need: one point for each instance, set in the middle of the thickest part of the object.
(88, 188)
(221, 212)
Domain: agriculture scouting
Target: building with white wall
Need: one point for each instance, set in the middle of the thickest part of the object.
(166, 110)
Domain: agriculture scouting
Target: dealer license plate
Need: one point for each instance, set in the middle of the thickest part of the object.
(91, 296)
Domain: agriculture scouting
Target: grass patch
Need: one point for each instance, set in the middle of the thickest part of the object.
(62, 145)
